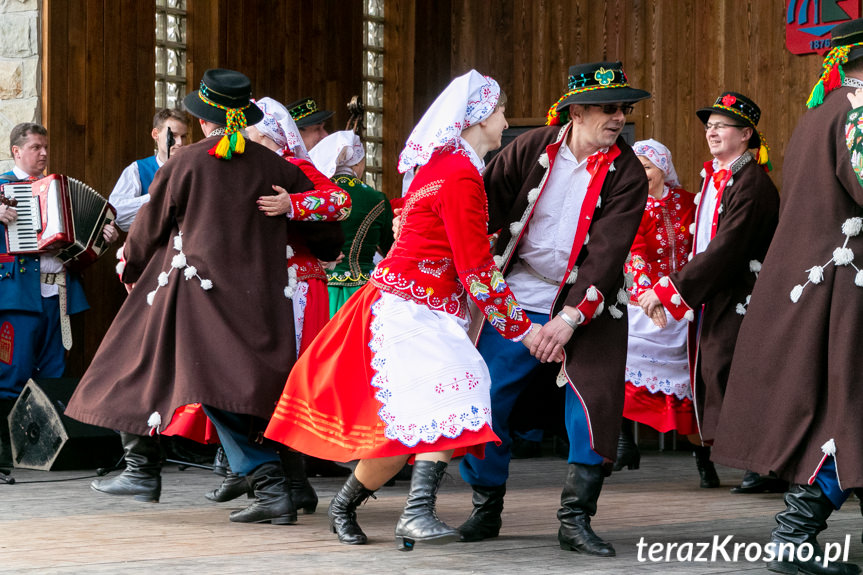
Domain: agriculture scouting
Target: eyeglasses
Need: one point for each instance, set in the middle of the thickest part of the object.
(612, 109)
(720, 126)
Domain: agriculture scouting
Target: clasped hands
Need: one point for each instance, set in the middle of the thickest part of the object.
(653, 308)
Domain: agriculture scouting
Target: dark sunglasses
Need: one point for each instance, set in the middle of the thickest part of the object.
(612, 109)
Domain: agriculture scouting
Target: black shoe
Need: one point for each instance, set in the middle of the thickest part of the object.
(706, 469)
(804, 517)
(485, 519)
(272, 499)
(142, 478)
(302, 493)
(628, 454)
(232, 486)
(322, 468)
(419, 521)
(755, 483)
(343, 511)
(220, 463)
(578, 504)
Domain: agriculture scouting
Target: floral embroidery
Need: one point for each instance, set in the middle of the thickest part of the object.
(497, 282)
(179, 262)
(435, 268)
(478, 289)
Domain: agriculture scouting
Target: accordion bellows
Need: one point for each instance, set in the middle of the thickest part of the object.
(58, 214)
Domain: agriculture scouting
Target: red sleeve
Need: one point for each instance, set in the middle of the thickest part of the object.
(325, 203)
(461, 205)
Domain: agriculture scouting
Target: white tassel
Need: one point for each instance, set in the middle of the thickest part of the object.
(120, 252)
(676, 299)
(816, 274)
(515, 228)
(664, 282)
(852, 226)
(498, 261)
(796, 293)
(289, 292)
(755, 266)
(592, 293)
(690, 256)
(858, 279)
(120, 267)
(162, 280)
(150, 297)
(629, 279)
(573, 275)
(741, 309)
(622, 297)
(190, 272)
(586, 239)
(692, 229)
(689, 316)
(178, 241)
(843, 256)
(598, 202)
(533, 195)
(829, 448)
(154, 422)
(721, 209)
(289, 252)
(730, 181)
(179, 260)
(697, 199)
(206, 285)
(599, 309)
(615, 313)
(611, 168)
(703, 173)
(543, 160)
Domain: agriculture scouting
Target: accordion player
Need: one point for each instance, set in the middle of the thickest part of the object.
(58, 214)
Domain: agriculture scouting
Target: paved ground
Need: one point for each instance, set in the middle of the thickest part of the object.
(52, 522)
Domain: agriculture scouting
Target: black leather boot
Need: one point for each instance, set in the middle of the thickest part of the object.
(578, 505)
(343, 511)
(142, 477)
(419, 520)
(627, 450)
(302, 493)
(756, 483)
(706, 469)
(272, 500)
(484, 521)
(232, 486)
(220, 463)
(804, 517)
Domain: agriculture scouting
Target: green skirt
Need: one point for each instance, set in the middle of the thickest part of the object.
(339, 295)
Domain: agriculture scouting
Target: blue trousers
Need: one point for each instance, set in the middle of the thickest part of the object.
(828, 481)
(511, 365)
(37, 347)
(243, 454)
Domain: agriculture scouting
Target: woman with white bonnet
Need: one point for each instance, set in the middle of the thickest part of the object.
(368, 230)
(394, 376)
(658, 387)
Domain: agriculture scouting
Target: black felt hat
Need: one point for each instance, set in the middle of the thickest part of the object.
(739, 108)
(222, 90)
(594, 83)
(848, 34)
(305, 113)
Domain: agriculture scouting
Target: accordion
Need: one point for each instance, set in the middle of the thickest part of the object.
(58, 214)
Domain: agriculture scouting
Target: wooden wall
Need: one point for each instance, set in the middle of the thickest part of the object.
(685, 52)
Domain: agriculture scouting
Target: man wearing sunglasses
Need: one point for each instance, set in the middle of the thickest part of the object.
(738, 209)
(567, 200)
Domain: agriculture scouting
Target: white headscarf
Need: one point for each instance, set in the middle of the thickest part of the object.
(280, 127)
(660, 156)
(468, 100)
(338, 150)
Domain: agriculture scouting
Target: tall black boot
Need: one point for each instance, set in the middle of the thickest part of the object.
(627, 450)
(419, 520)
(232, 486)
(484, 521)
(578, 505)
(302, 492)
(5, 439)
(343, 511)
(706, 469)
(142, 477)
(804, 517)
(272, 500)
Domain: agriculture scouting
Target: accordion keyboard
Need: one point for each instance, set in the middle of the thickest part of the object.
(22, 232)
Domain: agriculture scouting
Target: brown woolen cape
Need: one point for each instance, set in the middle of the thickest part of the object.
(596, 353)
(230, 347)
(720, 278)
(795, 380)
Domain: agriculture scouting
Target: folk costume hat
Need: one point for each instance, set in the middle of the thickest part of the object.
(305, 113)
(337, 153)
(740, 109)
(278, 126)
(846, 41)
(660, 156)
(467, 101)
(594, 83)
(224, 98)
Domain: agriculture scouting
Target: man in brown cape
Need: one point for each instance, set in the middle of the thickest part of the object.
(208, 320)
(568, 200)
(737, 211)
(793, 402)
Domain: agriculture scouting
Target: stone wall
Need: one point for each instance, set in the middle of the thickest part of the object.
(20, 78)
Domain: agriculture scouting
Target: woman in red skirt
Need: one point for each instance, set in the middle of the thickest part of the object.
(394, 375)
